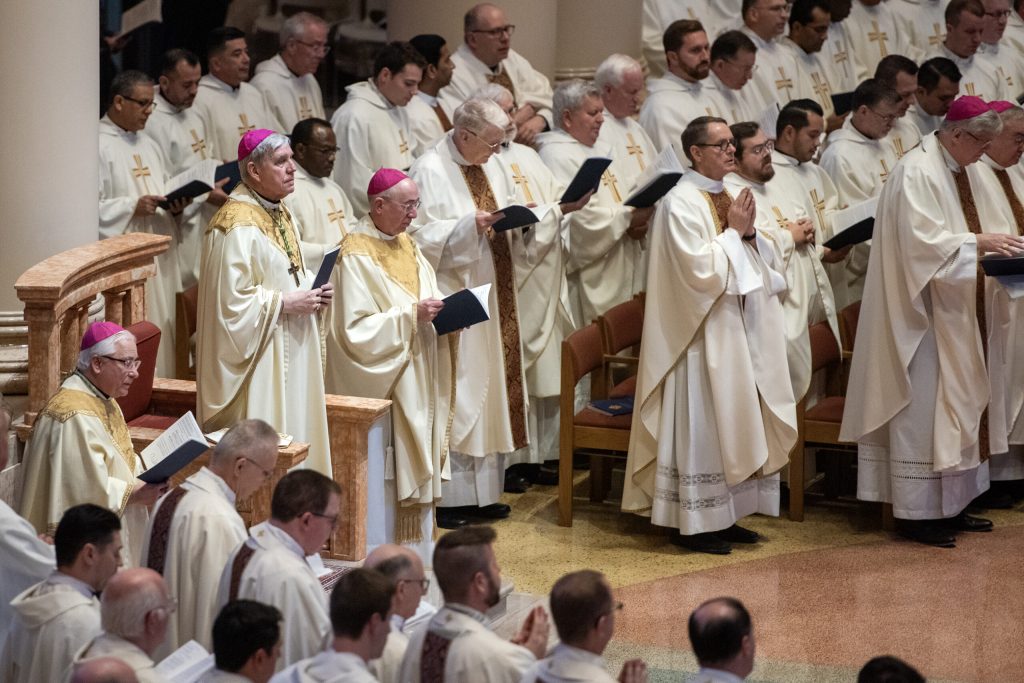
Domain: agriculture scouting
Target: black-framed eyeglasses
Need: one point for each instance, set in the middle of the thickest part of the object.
(493, 148)
(722, 146)
(333, 519)
(319, 48)
(126, 363)
(408, 207)
(266, 473)
(496, 32)
(423, 583)
(147, 105)
(888, 118)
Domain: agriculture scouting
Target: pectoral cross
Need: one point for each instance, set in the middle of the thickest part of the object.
(403, 148)
(635, 150)
(199, 146)
(937, 37)
(897, 144)
(822, 89)
(608, 180)
(246, 126)
(141, 171)
(335, 215)
(784, 83)
(819, 208)
(519, 179)
(779, 218)
(304, 111)
(293, 270)
(880, 37)
(884, 173)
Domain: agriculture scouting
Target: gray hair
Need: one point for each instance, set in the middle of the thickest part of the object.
(476, 114)
(612, 71)
(982, 125)
(1011, 115)
(295, 26)
(124, 613)
(492, 91)
(262, 152)
(245, 437)
(104, 347)
(570, 96)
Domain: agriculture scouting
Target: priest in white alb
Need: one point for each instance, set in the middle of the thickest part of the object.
(605, 265)
(730, 86)
(228, 105)
(714, 418)
(194, 528)
(900, 74)
(918, 402)
(996, 52)
(462, 186)
(428, 121)
(764, 22)
(657, 16)
(372, 126)
(874, 32)
(965, 25)
(271, 566)
(80, 450)
(809, 21)
(381, 343)
(288, 79)
(938, 82)
(682, 94)
(258, 338)
(133, 182)
(54, 618)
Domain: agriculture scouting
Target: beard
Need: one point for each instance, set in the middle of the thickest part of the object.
(494, 592)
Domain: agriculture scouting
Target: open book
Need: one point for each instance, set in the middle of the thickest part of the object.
(586, 179)
(518, 216)
(463, 308)
(854, 224)
(651, 192)
(179, 445)
(200, 179)
(187, 664)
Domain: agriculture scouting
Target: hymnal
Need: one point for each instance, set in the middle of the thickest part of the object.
(842, 102)
(516, 216)
(613, 407)
(653, 191)
(180, 444)
(854, 224)
(187, 664)
(326, 266)
(230, 171)
(463, 308)
(994, 265)
(586, 179)
(200, 179)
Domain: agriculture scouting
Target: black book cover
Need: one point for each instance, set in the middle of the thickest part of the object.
(461, 310)
(653, 191)
(586, 179)
(855, 234)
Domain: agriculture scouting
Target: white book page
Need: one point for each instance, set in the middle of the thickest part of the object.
(184, 430)
(142, 13)
(316, 563)
(667, 161)
(205, 172)
(851, 215)
(482, 294)
(186, 664)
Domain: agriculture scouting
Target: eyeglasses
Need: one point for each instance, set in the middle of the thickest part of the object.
(1001, 14)
(762, 149)
(333, 519)
(984, 143)
(493, 148)
(722, 146)
(266, 473)
(319, 48)
(886, 118)
(423, 583)
(147, 105)
(496, 32)
(784, 8)
(408, 207)
(126, 363)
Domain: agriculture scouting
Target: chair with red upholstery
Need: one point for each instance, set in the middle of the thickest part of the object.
(137, 405)
(621, 328)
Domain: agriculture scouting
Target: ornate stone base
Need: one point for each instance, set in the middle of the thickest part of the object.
(13, 353)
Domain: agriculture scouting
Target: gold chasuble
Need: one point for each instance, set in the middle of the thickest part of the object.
(505, 286)
(255, 361)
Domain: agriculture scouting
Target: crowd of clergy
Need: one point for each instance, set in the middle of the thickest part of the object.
(778, 115)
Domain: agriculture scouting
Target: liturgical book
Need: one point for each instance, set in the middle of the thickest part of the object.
(654, 190)
(854, 224)
(586, 179)
(179, 445)
(462, 309)
(200, 179)
(326, 266)
(842, 102)
(187, 664)
(613, 407)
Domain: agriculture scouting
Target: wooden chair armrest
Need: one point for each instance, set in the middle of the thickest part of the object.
(625, 360)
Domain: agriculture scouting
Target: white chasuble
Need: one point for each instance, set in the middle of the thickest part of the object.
(735, 106)
(428, 122)
(372, 133)
(323, 215)
(545, 312)
(814, 76)
(273, 570)
(838, 52)
(474, 654)
(328, 666)
(808, 298)
(874, 33)
(527, 85)
(918, 383)
(131, 165)
(923, 22)
(25, 560)
(80, 451)
(657, 15)
(978, 76)
(858, 167)
(1013, 36)
(254, 361)
(1006, 62)
(189, 547)
(106, 645)
(714, 413)
(491, 405)
(568, 664)
(289, 98)
(605, 264)
(53, 619)
(670, 105)
(377, 348)
(776, 76)
(229, 113)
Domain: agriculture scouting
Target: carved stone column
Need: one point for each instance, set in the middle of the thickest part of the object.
(49, 74)
(590, 30)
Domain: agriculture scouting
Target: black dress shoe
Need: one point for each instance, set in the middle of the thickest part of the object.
(993, 499)
(737, 534)
(965, 522)
(516, 483)
(921, 531)
(492, 511)
(701, 543)
(451, 518)
(545, 477)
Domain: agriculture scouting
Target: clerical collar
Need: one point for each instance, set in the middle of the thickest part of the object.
(431, 100)
(688, 85)
(454, 151)
(383, 235)
(59, 577)
(951, 163)
(164, 103)
(219, 482)
(284, 538)
(397, 622)
(468, 611)
(991, 163)
(790, 161)
(95, 388)
(263, 201)
(703, 182)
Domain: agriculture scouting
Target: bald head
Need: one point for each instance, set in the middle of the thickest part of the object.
(722, 635)
(404, 569)
(103, 670)
(135, 606)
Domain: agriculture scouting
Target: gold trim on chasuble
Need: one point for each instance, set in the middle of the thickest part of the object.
(508, 315)
(397, 258)
(235, 214)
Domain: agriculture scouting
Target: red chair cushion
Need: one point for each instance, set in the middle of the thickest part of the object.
(592, 418)
(828, 409)
(152, 422)
(136, 402)
(626, 387)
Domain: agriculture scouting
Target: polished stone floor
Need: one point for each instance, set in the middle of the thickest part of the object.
(826, 595)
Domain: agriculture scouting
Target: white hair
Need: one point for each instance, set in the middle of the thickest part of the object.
(262, 152)
(570, 96)
(982, 125)
(612, 71)
(123, 613)
(295, 26)
(492, 91)
(475, 114)
(1011, 115)
(104, 347)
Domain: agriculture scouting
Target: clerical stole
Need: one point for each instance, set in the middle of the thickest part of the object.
(161, 532)
(720, 203)
(963, 190)
(434, 657)
(442, 117)
(238, 566)
(1012, 199)
(503, 79)
(505, 288)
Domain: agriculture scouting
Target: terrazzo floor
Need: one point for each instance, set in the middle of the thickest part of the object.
(826, 595)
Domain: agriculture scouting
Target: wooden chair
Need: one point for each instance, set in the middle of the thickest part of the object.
(186, 312)
(600, 435)
(621, 329)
